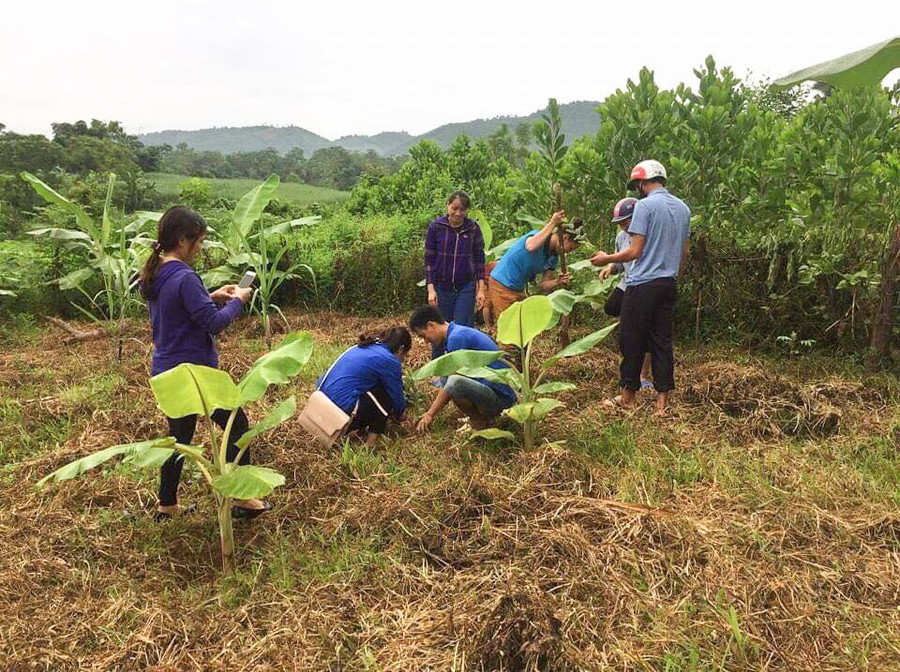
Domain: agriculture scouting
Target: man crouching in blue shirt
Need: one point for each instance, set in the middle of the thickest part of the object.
(481, 400)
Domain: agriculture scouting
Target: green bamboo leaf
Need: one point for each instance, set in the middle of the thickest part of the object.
(524, 320)
(250, 208)
(493, 434)
(452, 362)
(276, 416)
(178, 391)
(277, 366)
(581, 346)
(88, 462)
(248, 482)
(553, 388)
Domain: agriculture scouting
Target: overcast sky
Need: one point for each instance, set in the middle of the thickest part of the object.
(338, 68)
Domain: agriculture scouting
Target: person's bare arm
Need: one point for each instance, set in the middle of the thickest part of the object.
(538, 240)
(441, 400)
(632, 252)
(550, 281)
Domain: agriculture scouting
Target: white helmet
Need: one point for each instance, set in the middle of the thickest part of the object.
(646, 170)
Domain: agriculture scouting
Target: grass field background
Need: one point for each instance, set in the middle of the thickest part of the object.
(299, 193)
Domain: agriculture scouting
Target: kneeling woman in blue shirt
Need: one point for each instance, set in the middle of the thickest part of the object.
(185, 317)
(366, 382)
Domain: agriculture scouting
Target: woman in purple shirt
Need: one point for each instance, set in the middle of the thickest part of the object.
(185, 318)
(454, 264)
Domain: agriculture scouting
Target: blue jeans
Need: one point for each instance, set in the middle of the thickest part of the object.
(489, 403)
(456, 305)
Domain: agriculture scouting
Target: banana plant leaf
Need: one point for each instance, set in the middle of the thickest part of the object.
(524, 320)
(277, 366)
(582, 345)
(75, 279)
(248, 482)
(493, 434)
(284, 227)
(487, 233)
(105, 221)
(553, 388)
(866, 67)
(276, 416)
(63, 235)
(51, 196)
(190, 389)
(80, 466)
(249, 209)
(509, 377)
(456, 360)
(216, 277)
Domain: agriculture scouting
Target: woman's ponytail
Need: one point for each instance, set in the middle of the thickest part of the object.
(177, 223)
(395, 338)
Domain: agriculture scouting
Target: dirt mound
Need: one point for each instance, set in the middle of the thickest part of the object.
(765, 404)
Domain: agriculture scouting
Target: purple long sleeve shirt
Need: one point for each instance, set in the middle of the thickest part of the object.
(185, 318)
(453, 257)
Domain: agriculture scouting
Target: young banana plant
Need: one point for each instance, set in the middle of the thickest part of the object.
(519, 326)
(189, 389)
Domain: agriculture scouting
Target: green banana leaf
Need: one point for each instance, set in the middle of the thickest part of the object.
(248, 482)
(51, 196)
(276, 416)
(452, 362)
(524, 320)
(190, 389)
(866, 67)
(493, 434)
(509, 377)
(277, 366)
(105, 222)
(250, 208)
(582, 345)
(553, 388)
(78, 467)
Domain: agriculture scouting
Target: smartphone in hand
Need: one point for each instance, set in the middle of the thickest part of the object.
(247, 280)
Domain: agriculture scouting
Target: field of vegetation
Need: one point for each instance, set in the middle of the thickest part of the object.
(757, 528)
(296, 193)
(753, 528)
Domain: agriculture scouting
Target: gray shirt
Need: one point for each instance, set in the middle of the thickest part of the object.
(665, 223)
(623, 242)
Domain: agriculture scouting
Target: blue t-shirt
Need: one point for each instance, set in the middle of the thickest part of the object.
(518, 266)
(665, 223)
(360, 370)
(460, 337)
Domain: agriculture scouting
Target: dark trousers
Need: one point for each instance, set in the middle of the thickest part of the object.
(457, 304)
(646, 326)
(183, 431)
(368, 418)
(613, 305)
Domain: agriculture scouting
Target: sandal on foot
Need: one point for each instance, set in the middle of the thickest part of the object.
(244, 513)
(163, 516)
(646, 383)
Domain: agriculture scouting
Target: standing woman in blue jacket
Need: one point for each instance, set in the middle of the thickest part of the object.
(454, 264)
(185, 317)
(366, 382)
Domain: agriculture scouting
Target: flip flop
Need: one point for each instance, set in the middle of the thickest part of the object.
(646, 383)
(162, 516)
(243, 513)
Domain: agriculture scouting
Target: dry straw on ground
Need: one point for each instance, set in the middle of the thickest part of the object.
(751, 530)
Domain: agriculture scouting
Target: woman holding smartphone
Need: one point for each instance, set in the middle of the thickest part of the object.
(185, 318)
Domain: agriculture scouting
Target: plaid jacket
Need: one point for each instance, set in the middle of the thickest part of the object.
(453, 257)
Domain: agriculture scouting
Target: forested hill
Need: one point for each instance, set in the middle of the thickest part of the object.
(579, 118)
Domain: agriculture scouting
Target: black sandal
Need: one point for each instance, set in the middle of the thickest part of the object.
(243, 513)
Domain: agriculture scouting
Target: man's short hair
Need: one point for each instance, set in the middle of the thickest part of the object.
(422, 315)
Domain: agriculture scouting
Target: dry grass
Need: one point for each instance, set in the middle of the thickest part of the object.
(756, 528)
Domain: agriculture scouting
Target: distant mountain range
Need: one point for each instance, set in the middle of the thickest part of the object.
(579, 118)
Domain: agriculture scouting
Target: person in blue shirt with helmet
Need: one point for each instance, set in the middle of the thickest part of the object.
(481, 400)
(659, 231)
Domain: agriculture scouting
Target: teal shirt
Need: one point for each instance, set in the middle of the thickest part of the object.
(665, 223)
(518, 266)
